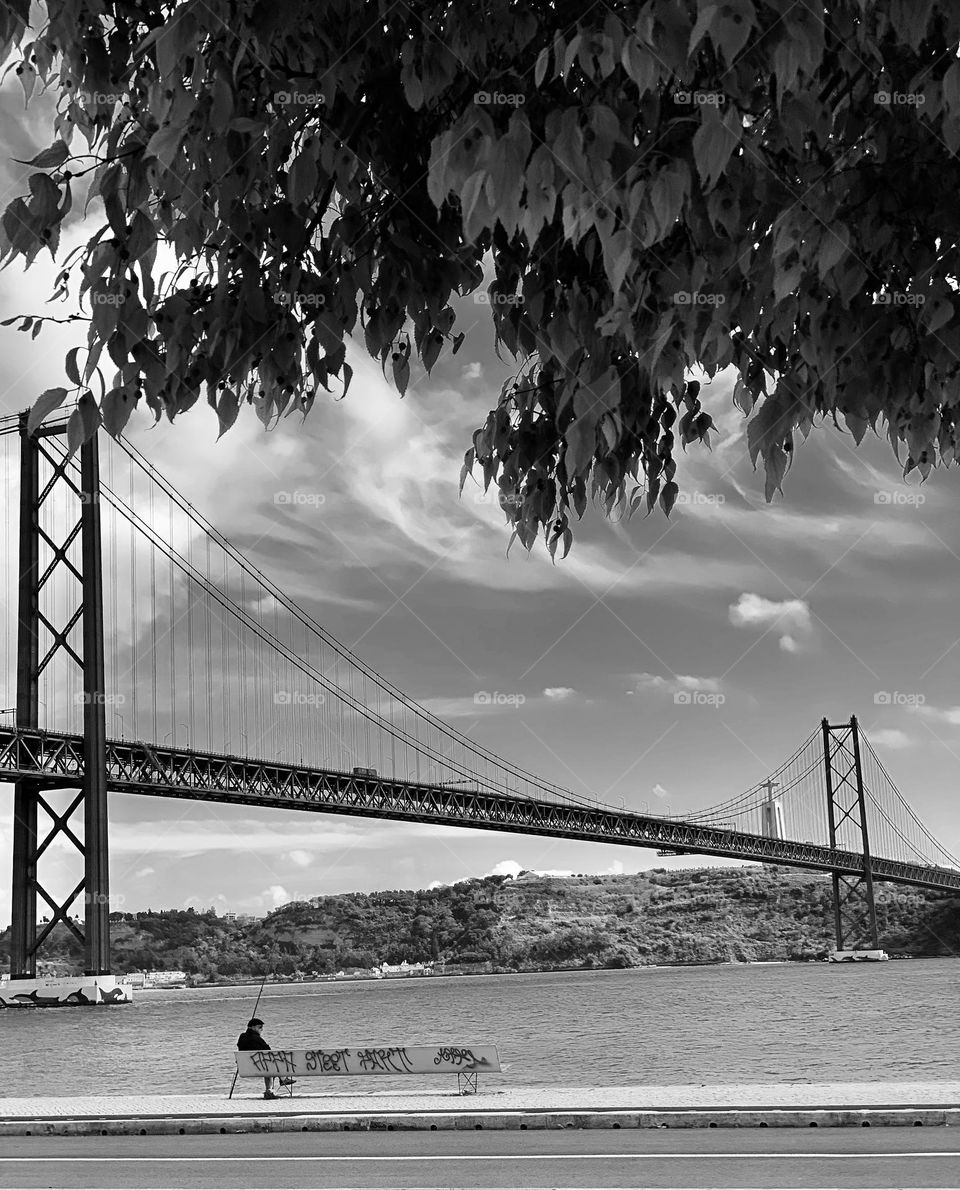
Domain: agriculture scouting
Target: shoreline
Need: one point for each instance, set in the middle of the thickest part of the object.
(330, 979)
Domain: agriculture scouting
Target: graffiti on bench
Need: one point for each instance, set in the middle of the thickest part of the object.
(409, 1059)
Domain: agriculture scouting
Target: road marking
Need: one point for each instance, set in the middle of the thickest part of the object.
(479, 1157)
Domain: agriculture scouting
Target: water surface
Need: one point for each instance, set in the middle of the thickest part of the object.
(813, 1022)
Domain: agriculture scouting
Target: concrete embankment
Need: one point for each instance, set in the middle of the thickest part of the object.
(796, 1105)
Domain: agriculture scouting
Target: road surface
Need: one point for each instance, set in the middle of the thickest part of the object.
(760, 1157)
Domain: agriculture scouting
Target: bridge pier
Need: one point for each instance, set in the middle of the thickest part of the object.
(854, 906)
(41, 558)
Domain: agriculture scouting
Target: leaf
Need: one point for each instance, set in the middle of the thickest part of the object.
(431, 350)
(714, 142)
(347, 377)
(28, 80)
(701, 28)
(52, 399)
(163, 145)
(413, 91)
(581, 440)
(641, 66)
(730, 28)
(57, 154)
(540, 69)
(228, 406)
(833, 247)
(115, 409)
(668, 496)
(70, 365)
(401, 371)
(302, 178)
(83, 422)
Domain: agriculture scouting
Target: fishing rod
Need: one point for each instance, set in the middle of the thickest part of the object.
(236, 1073)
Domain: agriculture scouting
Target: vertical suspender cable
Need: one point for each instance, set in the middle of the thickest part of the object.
(208, 669)
(154, 659)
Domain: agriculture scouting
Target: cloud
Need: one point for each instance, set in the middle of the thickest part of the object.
(276, 895)
(559, 693)
(647, 682)
(139, 875)
(506, 867)
(472, 371)
(660, 792)
(302, 859)
(791, 615)
(891, 737)
(950, 715)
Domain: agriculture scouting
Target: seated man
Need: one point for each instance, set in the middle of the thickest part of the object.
(250, 1039)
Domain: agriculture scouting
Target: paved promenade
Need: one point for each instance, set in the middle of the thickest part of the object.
(496, 1106)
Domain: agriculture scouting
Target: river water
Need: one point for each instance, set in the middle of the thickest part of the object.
(812, 1022)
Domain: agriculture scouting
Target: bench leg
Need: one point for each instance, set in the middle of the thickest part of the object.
(467, 1083)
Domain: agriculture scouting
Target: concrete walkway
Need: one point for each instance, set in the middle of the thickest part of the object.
(496, 1106)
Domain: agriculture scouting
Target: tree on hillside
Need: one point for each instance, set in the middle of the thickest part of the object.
(764, 185)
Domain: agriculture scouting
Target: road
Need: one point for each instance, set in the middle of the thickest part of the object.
(787, 1157)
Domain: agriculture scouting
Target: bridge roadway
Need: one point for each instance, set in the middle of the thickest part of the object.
(56, 760)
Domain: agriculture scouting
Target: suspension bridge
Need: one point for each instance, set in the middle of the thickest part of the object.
(149, 656)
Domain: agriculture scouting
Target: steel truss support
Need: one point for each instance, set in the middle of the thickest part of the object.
(37, 532)
(854, 907)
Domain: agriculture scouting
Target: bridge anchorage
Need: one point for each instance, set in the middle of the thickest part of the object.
(104, 701)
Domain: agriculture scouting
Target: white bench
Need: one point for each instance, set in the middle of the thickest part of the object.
(465, 1061)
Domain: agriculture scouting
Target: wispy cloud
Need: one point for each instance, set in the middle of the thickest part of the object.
(646, 682)
(891, 737)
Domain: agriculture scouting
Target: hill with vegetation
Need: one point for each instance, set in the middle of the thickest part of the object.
(530, 922)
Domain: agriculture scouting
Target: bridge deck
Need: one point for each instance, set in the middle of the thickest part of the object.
(56, 759)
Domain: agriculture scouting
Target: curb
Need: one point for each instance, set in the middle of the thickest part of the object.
(487, 1121)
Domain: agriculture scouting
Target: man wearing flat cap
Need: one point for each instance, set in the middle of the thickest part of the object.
(250, 1039)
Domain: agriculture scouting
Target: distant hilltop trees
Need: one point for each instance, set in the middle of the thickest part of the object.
(499, 924)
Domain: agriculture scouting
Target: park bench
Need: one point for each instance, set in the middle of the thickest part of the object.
(465, 1061)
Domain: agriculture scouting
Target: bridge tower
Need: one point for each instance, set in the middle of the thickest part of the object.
(854, 908)
(48, 554)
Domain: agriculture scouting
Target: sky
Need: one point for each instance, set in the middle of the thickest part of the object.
(837, 598)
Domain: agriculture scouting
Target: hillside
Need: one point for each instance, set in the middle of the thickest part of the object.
(498, 923)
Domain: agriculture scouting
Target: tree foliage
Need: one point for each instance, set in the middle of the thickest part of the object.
(659, 186)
